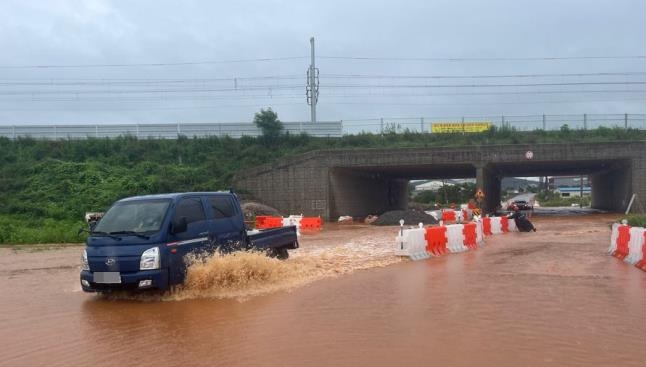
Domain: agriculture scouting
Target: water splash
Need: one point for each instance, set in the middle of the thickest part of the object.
(242, 275)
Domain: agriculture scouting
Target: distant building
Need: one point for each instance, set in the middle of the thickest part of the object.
(555, 182)
(431, 186)
(570, 186)
(573, 191)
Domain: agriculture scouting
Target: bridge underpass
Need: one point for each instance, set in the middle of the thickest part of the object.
(359, 182)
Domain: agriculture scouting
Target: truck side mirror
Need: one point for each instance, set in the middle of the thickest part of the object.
(179, 226)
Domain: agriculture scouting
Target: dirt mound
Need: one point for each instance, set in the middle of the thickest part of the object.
(410, 217)
(252, 209)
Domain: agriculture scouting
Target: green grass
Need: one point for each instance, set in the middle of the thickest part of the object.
(17, 230)
(636, 220)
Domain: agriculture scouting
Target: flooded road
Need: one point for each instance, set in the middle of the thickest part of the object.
(550, 298)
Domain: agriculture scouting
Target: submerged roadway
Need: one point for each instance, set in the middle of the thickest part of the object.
(550, 298)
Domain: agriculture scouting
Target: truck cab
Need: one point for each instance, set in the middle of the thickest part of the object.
(142, 242)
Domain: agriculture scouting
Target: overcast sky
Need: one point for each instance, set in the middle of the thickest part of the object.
(200, 61)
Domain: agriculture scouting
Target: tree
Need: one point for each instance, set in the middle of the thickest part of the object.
(267, 121)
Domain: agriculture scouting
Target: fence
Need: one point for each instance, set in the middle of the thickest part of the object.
(518, 122)
(324, 128)
(164, 131)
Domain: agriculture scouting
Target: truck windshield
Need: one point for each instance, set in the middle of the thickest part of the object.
(139, 216)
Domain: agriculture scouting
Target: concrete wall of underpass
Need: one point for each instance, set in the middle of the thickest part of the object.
(612, 190)
(359, 193)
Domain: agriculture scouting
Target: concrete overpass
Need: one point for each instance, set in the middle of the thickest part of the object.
(359, 182)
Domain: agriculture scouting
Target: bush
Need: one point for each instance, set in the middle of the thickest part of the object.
(18, 230)
(636, 220)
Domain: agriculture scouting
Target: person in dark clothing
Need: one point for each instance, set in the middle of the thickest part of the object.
(522, 223)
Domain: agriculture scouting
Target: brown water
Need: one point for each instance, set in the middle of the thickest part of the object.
(550, 298)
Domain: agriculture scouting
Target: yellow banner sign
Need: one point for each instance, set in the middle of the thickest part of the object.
(460, 127)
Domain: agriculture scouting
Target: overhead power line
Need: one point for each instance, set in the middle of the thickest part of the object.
(451, 59)
(356, 58)
(481, 85)
(492, 76)
(125, 65)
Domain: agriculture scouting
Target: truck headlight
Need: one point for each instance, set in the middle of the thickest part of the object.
(84, 264)
(150, 259)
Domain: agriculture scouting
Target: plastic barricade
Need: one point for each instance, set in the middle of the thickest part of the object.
(293, 220)
(469, 233)
(486, 226)
(479, 232)
(623, 238)
(635, 245)
(496, 227)
(311, 223)
(455, 238)
(641, 264)
(466, 215)
(436, 240)
(613, 238)
(511, 225)
(504, 224)
(265, 221)
(448, 215)
(411, 243)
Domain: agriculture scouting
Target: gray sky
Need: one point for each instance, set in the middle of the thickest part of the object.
(107, 48)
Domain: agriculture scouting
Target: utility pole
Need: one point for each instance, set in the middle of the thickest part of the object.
(312, 84)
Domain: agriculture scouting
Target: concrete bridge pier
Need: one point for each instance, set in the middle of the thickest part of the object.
(488, 180)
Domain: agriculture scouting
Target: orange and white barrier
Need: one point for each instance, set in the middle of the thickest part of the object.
(301, 222)
(511, 225)
(293, 220)
(496, 225)
(628, 244)
(420, 243)
(411, 243)
(455, 238)
(635, 245)
(436, 240)
(479, 232)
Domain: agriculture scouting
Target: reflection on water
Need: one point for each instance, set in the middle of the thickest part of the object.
(547, 298)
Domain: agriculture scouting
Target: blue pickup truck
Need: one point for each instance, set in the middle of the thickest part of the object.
(141, 242)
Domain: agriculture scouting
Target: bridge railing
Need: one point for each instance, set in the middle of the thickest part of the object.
(518, 122)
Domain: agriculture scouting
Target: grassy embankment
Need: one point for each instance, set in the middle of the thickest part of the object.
(47, 186)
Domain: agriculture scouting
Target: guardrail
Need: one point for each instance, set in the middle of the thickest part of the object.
(164, 131)
(518, 122)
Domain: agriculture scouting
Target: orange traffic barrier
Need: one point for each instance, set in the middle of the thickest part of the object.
(448, 215)
(266, 221)
(622, 242)
(311, 223)
(486, 226)
(436, 240)
(641, 264)
(504, 224)
(470, 237)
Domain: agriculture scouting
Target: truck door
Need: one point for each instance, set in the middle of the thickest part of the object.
(194, 239)
(227, 227)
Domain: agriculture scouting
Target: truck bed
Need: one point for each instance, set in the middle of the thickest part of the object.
(283, 237)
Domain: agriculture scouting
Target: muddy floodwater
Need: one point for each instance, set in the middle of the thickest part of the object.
(550, 298)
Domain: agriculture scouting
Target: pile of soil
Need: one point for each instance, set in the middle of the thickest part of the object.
(251, 209)
(410, 217)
